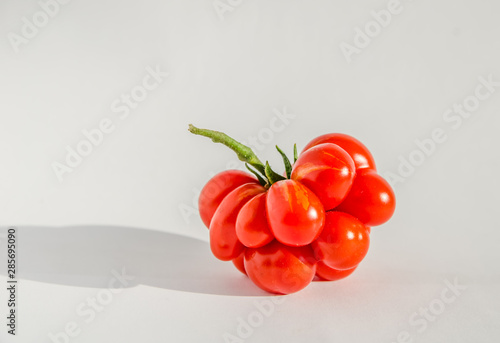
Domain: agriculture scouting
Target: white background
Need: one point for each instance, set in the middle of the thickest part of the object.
(129, 201)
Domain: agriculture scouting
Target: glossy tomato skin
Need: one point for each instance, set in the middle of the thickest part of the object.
(223, 240)
(326, 273)
(294, 213)
(217, 188)
(360, 154)
(252, 228)
(239, 262)
(328, 171)
(280, 269)
(343, 243)
(371, 199)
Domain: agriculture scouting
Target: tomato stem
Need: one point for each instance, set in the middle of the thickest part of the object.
(244, 153)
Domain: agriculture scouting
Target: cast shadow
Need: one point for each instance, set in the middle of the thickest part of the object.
(88, 256)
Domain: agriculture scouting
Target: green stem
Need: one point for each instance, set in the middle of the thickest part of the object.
(244, 153)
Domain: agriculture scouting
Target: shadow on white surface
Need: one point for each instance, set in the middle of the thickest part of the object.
(86, 256)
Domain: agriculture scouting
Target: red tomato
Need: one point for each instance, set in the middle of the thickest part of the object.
(343, 243)
(280, 269)
(360, 154)
(328, 171)
(223, 240)
(252, 228)
(371, 199)
(294, 213)
(326, 273)
(239, 263)
(217, 188)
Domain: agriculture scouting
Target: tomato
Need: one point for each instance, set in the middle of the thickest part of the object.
(371, 199)
(326, 273)
(280, 269)
(358, 151)
(217, 188)
(311, 223)
(223, 240)
(294, 213)
(328, 171)
(239, 262)
(343, 243)
(251, 224)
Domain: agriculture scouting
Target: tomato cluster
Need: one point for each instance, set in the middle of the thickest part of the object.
(314, 223)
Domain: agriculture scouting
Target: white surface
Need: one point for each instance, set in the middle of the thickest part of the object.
(232, 75)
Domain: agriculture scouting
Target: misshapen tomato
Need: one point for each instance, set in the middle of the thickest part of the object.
(312, 222)
(343, 243)
(360, 154)
(216, 190)
(280, 269)
(294, 213)
(328, 171)
(326, 273)
(371, 199)
(223, 240)
(252, 228)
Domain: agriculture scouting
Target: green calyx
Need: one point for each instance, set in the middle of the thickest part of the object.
(286, 161)
(262, 172)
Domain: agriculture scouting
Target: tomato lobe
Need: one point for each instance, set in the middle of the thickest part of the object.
(252, 228)
(343, 243)
(223, 240)
(295, 215)
(360, 154)
(216, 189)
(326, 273)
(371, 199)
(280, 269)
(328, 171)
